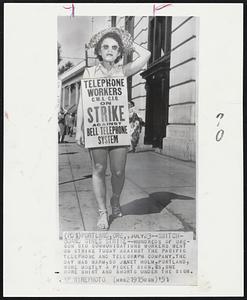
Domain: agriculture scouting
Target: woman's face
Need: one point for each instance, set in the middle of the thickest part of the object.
(109, 50)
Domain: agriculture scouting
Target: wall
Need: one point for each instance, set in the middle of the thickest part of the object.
(138, 91)
(138, 83)
(180, 141)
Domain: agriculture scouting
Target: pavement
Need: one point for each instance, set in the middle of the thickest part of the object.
(158, 195)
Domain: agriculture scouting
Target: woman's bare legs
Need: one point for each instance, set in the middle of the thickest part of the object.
(118, 156)
(99, 165)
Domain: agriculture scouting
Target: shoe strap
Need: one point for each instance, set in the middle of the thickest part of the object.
(102, 212)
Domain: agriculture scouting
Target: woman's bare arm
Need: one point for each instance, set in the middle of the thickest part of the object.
(136, 65)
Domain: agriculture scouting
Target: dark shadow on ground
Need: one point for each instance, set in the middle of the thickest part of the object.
(155, 203)
(66, 142)
(68, 153)
(84, 177)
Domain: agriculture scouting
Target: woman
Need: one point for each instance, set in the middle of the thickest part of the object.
(109, 45)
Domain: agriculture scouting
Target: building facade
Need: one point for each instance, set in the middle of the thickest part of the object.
(70, 85)
(180, 140)
(165, 91)
(138, 28)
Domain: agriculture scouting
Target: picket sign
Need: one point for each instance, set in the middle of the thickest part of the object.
(105, 108)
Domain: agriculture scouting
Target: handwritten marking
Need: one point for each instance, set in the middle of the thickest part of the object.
(221, 115)
(159, 7)
(220, 133)
(72, 7)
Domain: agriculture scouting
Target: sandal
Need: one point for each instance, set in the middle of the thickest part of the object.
(102, 223)
(116, 210)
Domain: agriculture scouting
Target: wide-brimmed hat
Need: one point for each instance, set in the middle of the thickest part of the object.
(124, 35)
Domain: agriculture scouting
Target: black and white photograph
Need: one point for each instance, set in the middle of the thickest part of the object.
(123, 149)
(148, 182)
(127, 134)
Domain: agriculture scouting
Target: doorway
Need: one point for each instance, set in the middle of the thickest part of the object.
(157, 86)
(157, 80)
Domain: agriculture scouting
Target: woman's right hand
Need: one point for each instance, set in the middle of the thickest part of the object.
(80, 141)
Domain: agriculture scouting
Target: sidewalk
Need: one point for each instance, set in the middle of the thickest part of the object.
(159, 192)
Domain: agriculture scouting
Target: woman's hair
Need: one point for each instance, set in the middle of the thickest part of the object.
(115, 37)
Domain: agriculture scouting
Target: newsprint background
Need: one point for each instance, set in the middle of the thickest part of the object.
(159, 211)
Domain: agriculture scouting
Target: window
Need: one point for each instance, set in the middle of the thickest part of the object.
(159, 41)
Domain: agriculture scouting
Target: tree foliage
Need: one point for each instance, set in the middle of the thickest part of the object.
(69, 65)
(65, 67)
(59, 51)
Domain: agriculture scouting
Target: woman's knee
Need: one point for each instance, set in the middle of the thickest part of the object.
(118, 173)
(99, 170)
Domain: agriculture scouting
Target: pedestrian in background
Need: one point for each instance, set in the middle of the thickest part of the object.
(136, 124)
(62, 126)
(70, 121)
(110, 45)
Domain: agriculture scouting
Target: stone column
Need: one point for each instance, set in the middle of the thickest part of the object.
(63, 95)
(69, 87)
(76, 92)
